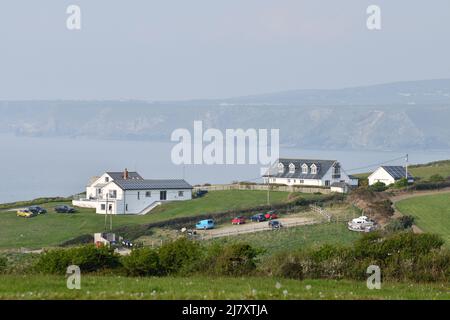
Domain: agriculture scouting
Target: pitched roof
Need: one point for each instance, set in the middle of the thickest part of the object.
(119, 175)
(322, 168)
(144, 184)
(397, 172)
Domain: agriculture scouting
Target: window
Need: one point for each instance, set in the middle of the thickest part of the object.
(289, 180)
(305, 168)
(163, 195)
(313, 169)
(113, 194)
(106, 179)
(181, 193)
(126, 207)
(110, 207)
(280, 168)
(103, 207)
(138, 195)
(302, 181)
(291, 168)
(327, 183)
(148, 194)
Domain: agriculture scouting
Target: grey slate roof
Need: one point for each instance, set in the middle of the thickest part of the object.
(119, 175)
(144, 184)
(397, 172)
(322, 168)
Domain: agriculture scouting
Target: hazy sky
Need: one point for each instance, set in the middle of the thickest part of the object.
(181, 49)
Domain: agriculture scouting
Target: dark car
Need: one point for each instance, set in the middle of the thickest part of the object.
(258, 218)
(275, 224)
(37, 210)
(64, 209)
(200, 193)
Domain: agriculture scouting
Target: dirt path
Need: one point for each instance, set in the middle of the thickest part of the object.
(251, 227)
(404, 196)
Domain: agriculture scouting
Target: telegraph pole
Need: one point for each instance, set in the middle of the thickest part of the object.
(406, 167)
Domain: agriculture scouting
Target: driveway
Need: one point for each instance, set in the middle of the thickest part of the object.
(251, 227)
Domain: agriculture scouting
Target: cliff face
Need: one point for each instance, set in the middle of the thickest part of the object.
(398, 116)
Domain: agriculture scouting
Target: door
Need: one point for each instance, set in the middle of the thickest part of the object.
(163, 195)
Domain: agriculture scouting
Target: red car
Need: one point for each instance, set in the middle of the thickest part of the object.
(238, 220)
(271, 215)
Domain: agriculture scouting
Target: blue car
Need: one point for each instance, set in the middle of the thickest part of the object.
(258, 218)
(205, 224)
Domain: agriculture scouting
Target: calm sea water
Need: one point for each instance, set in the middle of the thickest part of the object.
(36, 167)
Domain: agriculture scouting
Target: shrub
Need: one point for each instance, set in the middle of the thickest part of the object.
(3, 264)
(378, 187)
(142, 262)
(401, 183)
(400, 224)
(436, 178)
(88, 258)
(236, 259)
(180, 255)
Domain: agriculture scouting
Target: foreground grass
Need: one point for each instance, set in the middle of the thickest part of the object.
(108, 287)
(296, 238)
(431, 213)
(53, 228)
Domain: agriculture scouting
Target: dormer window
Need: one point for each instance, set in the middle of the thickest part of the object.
(313, 169)
(280, 168)
(305, 168)
(291, 168)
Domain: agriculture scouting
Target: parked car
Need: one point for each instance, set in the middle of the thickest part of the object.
(25, 213)
(238, 220)
(275, 224)
(270, 215)
(258, 218)
(200, 193)
(64, 209)
(37, 210)
(205, 224)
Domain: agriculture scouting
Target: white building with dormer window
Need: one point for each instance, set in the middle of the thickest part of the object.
(307, 172)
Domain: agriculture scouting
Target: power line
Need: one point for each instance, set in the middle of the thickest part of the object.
(376, 164)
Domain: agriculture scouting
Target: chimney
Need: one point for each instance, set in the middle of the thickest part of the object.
(125, 174)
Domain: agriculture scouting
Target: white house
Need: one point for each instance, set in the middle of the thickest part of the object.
(389, 174)
(306, 172)
(129, 193)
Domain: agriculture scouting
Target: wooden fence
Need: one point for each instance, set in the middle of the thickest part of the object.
(262, 187)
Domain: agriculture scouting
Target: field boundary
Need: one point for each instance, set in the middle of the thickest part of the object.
(262, 187)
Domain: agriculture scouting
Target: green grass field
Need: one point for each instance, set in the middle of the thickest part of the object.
(431, 213)
(194, 288)
(296, 238)
(53, 228)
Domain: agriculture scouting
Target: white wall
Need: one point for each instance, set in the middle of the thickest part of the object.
(380, 175)
(128, 202)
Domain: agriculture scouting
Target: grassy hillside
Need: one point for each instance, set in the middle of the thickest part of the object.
(110, 287)
(53, 228)
(427, 170)
(297, 238)
(432, 213)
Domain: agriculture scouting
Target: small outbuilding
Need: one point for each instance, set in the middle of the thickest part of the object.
(389, 175)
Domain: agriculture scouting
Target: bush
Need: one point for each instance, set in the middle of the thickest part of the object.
(436, 178)
(142, 262)
(88, 258)
(179, 256)
(400, 224)
(378, 187)
(3, 264)
(236, 259)
(401, 183)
